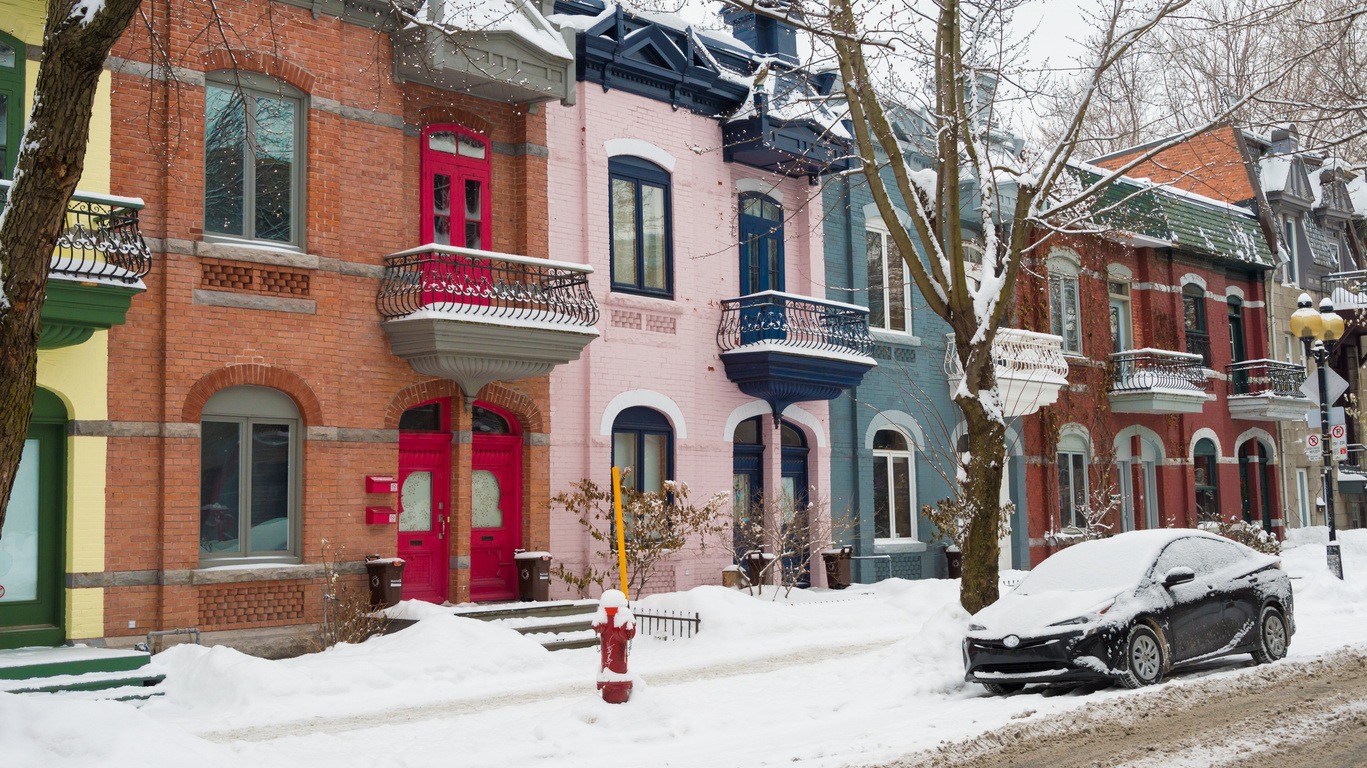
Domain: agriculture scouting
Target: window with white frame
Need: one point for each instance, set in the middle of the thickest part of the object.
(1292, 250)
(1065, 308)
(1072, 481)
(889, 288)
(1121, 335)
(894, 486)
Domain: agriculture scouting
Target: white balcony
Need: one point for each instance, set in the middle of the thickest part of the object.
(1031, 369)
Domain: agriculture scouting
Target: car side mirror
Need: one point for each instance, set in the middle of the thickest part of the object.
(1179, 575)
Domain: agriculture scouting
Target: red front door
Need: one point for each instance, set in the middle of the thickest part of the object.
(496, 516)
(424, 514)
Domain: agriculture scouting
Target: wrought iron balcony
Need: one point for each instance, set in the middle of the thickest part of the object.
(1157, 381)
(786, 349)
(1198, 343)
(100, 239)
(479, 316)
(1267, 390)
(1031, 369)
(96, 268)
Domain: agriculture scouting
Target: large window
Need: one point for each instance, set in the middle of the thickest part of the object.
(1065, 306)
(889, 289)
(249, 460)
(1121, 335)
(761, 244)
(640, 220)
(894, 486)
(11, 102)
(1205, 467)
(1194, 318)
(1072, 482)
(253, 158)
(643, 443)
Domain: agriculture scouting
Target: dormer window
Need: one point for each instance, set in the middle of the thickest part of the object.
(1289, 243)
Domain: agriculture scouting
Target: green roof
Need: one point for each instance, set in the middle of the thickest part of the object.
(1192, 223)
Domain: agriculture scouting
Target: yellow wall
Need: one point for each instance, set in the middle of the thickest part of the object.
(78, 375)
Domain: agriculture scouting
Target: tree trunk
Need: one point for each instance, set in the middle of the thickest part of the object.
(51, 159)
(981, 484)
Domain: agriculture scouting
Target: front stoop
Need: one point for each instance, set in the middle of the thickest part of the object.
(557, 625)
(77, 668)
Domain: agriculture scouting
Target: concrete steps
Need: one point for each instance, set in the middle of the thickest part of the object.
(558, 625)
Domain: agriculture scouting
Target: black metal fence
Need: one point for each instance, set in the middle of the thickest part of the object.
(488, 284)
(1198, 343)
(1266, 377)
(1143, 370)
(665, 624)
(100, 238)
(793, 321)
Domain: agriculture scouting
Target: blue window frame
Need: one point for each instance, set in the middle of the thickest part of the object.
(641, 224)
(761, 244)
(643, 441)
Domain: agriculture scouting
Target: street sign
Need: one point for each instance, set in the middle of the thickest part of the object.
(1313, 449)
(1338, 440)
(1337, 386)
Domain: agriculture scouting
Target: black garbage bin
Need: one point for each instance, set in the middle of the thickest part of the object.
(837, 566)
(385, 575)
(533, 576)
(755, 563)
(954, 562)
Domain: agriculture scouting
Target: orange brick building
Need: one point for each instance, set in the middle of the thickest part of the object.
(279, 359)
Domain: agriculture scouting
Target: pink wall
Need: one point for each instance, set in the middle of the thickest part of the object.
(665, 350)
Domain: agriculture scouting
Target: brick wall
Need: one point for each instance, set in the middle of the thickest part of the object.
(1209, 164)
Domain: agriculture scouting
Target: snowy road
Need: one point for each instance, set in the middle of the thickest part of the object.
(1289, 713)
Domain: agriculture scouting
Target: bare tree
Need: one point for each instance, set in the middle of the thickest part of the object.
(77, 37)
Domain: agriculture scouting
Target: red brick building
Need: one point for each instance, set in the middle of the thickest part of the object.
(1169, 416)
(279, 359)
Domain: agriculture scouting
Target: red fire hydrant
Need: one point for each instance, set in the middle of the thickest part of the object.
(615, 625)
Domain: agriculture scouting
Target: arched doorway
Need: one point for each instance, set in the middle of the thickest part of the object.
(31, 550)
(496, 503)
(793, 508)
(1255, 484)
(747, 484)
(425, 499)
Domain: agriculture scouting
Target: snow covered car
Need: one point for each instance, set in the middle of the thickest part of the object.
(1128, 609)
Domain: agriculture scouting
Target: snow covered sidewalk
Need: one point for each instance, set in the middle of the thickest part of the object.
(858, 681)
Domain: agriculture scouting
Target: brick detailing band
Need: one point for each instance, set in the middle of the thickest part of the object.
(241, 606)
(243, 277)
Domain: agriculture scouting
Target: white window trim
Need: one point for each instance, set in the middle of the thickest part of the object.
(1293, 265)
(885, 455)
(908, 335)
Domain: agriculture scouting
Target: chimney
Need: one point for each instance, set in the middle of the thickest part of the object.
(767, 35)
(1285, 140)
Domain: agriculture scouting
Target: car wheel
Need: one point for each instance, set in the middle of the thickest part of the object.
(1004, 689)
(1145, 658)
(1271, 636)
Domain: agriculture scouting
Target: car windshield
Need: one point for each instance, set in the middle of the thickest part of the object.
(1117, 564)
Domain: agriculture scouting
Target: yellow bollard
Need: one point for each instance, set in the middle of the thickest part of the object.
(621, 531)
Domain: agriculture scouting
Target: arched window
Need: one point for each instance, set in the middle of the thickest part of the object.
(640, 221)
(455, 192)
(254, 157)
(894, 486)
(1065, 308)
(747, 481)
(249, 477)
(1072, 481)
(1205, 467)
(11, 102)
(489, 422)
(761, 244)
(1194, 318)
(643, 442)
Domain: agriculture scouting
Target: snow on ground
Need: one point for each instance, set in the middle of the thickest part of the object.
(821, 678)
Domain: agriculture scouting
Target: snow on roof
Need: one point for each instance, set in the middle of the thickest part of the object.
(1274, 171)
(1357, 192)
(516, 17)
(790, 97)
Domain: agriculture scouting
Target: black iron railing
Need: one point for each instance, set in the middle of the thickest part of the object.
(1144, 370)
(664, 624)
(1266, 377)
(797, 322)
(100, 238)
(1198, 343)
(443, 278)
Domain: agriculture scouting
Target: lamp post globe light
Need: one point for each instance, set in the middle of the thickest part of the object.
(1314, 329)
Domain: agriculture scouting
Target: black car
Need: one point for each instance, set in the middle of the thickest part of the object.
(1128, 609)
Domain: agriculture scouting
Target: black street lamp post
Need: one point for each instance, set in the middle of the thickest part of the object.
(1318, 327)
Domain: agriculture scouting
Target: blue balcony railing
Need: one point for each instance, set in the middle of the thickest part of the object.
(786, 321)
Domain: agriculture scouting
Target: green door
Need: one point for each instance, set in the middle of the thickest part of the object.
(31, 548)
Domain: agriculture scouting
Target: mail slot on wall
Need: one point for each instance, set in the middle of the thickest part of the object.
(380, 515)
(381, 484)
